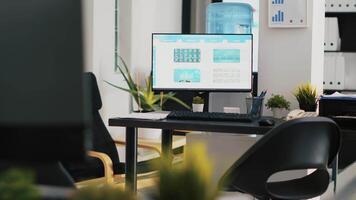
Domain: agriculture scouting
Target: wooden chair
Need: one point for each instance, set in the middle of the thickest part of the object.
(103, 165)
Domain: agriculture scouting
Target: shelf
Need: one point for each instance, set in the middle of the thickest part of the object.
(345, 90)
(339, 51)
(340, 12)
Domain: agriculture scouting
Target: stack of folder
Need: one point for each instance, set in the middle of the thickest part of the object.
(340, 5)
(334, 71)
(332, 40)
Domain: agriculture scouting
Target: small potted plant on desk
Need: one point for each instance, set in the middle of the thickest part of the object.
(278, 104)
(307, 97)
(198, 104)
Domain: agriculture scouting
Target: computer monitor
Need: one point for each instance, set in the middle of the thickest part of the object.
(202, 62)
(41, 88)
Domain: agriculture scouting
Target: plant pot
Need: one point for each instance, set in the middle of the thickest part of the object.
(149, 133)
(198, 107)
(308, 107)
(278, 113)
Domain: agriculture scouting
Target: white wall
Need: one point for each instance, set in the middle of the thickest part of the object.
(87, 14)
(115, 102)
(151, 16)
(289, 57)
(138, 19)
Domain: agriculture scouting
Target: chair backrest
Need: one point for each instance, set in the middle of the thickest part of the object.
(307, 143)
(101, 138)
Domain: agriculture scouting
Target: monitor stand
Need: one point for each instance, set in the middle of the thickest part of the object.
(186, 97)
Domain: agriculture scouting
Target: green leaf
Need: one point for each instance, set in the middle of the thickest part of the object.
(144, 96)
(118, 87)
(179, 101)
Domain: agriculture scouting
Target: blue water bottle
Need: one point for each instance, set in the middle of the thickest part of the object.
(229, 18)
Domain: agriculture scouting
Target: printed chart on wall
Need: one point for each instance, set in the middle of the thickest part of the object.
(202, 62)
(255, 27)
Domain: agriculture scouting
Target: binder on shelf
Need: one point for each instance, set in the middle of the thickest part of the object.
(348, 6)
(340, 5)
(326, 35)
(353, 5)
(332, 36)
(333, 5)
(340, 72)
(327, 6)
(334, 71)
(329, 71)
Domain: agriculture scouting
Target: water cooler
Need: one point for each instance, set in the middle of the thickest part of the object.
(229, 18)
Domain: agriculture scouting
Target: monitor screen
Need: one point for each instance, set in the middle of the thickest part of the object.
(202, 62)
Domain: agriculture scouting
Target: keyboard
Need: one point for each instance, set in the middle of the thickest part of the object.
(209, 116)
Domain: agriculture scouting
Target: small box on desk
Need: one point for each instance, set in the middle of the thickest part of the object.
(337, 106)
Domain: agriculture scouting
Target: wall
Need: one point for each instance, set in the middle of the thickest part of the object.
(153, 16)
(88, 10)
(138, 19)
(115, 102)
(289, 57)
(198, 15)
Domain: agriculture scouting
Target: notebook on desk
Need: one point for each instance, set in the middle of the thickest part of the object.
(147, 115)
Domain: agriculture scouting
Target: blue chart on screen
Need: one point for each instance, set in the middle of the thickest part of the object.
(226, 55)
(187, 75)
(187, 55)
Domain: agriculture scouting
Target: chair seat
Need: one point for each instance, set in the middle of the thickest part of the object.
(302, 188)
(94, 168)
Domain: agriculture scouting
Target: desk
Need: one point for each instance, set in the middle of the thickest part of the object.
(167, 127)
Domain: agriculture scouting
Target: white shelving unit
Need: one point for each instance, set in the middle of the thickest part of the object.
(340, 45)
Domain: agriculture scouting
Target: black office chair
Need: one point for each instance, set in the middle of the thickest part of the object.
(104, 159)
(45, 173)
(306, 143)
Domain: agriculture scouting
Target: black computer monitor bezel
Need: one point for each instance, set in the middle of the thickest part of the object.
(201, 89)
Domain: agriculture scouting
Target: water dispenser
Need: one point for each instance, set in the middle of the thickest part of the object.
(229, 18)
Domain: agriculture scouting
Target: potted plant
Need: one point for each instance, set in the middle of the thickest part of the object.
(144, 96)
(107, 192)
(198, 104)
(277, 103)
(191, 179)
(18, 184)
(307, 96)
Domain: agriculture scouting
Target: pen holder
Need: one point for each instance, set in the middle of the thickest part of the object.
(254, 107)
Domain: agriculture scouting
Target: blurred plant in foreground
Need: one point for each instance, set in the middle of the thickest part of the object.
(189, 180)
(18, 184)
(106, 192)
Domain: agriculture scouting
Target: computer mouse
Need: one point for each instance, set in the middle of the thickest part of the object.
(266, 122)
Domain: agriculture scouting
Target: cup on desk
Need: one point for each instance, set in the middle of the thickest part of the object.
(232, 110)
(254, 106)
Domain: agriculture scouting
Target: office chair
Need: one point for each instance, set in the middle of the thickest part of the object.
(45, 173)
(103, 164)
(306, 143)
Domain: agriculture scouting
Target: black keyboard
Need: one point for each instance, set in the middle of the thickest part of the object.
(209, 116)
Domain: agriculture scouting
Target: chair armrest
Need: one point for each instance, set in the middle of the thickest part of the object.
(107, 163)
(141, 146)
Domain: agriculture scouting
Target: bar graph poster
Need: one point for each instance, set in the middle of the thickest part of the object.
(288, 13)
